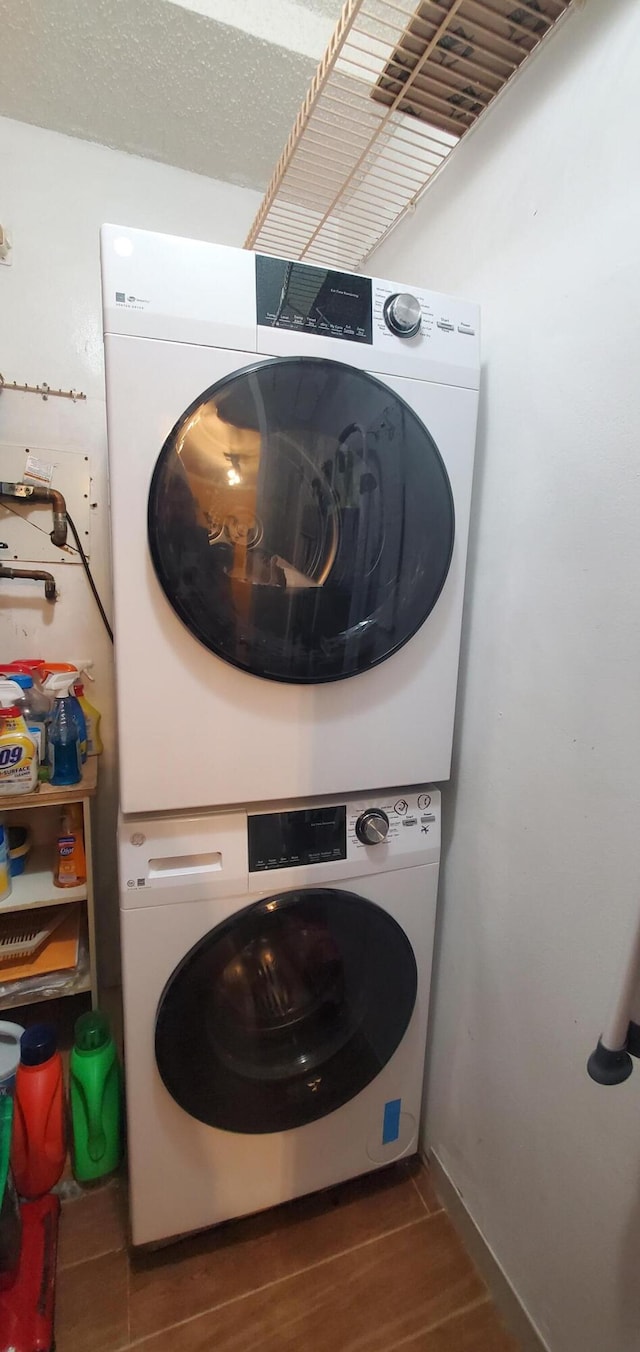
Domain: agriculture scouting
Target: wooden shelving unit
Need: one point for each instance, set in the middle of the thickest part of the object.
(35, 887)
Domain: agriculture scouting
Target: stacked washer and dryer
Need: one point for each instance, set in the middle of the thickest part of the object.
(291, 457)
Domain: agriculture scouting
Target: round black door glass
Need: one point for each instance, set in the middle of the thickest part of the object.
(301, 520)
(286, 1011)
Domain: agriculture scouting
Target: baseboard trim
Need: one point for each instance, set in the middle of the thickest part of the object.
(513, 1312)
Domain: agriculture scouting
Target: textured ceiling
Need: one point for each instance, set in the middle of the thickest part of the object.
(166, 80)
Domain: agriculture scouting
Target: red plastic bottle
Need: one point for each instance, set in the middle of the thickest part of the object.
(38, 1149)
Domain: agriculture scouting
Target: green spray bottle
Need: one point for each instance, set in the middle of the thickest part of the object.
(95, 1084)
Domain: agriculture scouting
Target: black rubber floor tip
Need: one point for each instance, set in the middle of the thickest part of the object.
(607, 1067)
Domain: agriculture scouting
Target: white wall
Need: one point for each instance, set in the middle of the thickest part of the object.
(537, 217)
(55, 192)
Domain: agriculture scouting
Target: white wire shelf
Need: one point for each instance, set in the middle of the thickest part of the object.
(397, 88)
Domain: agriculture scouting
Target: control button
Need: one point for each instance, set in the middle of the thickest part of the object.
(424, 801)
(446, 325)
(401, 806)
(464, 328)
(372, 826)
(402, 314)
(410, 821)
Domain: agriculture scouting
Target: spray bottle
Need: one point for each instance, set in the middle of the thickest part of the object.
(33, 667)
(59, 668)
(18, 751)
(64, 730)
(84, 667)
(31, 707)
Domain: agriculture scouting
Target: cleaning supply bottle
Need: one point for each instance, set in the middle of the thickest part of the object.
(38, 1150)
(92, 715)
(64, 731)
(35, 711)
(10, 1224)
(57, 669)
(92, 718)
(5, 864)
(70, 867)
(95, 1090)
(18, 751)
(33, 667)
(10, 1035)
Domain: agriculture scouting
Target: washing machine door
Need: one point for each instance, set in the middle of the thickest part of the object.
(286, 1011)
(301, 520)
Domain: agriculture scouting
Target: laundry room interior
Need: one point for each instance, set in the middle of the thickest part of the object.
(319, 675)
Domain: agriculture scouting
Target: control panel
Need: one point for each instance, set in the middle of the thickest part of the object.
(235, 853)
(303, 298)
(188, 291)
(375, 826)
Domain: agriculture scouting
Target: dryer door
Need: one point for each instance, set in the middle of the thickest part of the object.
(286, 1011)
(301, 520)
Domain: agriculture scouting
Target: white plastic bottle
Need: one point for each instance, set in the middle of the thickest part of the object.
(18, 751)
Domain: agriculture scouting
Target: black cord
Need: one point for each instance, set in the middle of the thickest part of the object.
(85, 565)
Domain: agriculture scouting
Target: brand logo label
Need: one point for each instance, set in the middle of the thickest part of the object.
(10, 756)
(130, 302)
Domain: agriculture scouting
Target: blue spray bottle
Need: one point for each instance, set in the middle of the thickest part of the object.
(64, 730)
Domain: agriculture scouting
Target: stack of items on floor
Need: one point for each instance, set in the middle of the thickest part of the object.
(33, 1149)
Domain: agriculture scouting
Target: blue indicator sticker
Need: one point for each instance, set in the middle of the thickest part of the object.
(391, 1121)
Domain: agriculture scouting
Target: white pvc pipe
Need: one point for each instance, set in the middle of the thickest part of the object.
(627, 1003)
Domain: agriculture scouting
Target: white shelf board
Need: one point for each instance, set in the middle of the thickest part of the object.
(35, 887)
(52, 795)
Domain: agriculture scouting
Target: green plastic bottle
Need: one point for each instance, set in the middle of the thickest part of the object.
(10, 1220)
(95, 1083)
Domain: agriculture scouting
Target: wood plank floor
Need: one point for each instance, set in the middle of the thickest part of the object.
(373, 1265)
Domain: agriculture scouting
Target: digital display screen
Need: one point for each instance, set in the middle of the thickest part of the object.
(297, 296)
(286, 839)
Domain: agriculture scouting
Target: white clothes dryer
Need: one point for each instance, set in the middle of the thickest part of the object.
(277, 967)
(291, 457)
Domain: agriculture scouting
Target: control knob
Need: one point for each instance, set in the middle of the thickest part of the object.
(402, 314)
(372, 826)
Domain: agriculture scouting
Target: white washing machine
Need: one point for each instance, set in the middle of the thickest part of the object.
(291, 457)
(277, 966)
